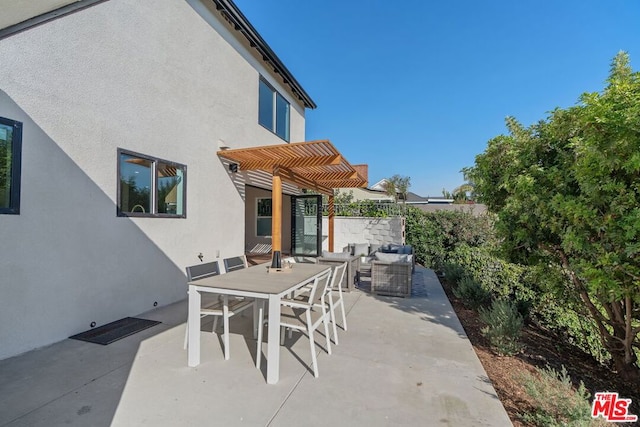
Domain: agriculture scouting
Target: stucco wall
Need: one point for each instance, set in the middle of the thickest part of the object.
(164, 78)
(375, 231)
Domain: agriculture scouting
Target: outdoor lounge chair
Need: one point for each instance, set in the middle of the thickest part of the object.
(235, 263)
(391, 274)
(305, 313)
(334, 292)
(213, 305)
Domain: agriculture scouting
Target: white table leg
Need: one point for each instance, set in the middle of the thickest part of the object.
(193, 322)
(273, 344)
(225, 321)
(255, 318)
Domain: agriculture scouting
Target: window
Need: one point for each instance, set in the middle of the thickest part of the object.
(273, 111)
(150, 187)
(10, 160)
(263, 224)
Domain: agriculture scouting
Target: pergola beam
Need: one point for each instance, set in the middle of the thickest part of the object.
(295, 162)
(332, 176)
(302, 182)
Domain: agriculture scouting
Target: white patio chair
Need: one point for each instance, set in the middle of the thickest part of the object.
(335, 291)
(214, 305)
(305, 314)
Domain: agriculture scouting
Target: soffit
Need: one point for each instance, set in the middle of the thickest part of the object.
(315, 165)
(19, 15)
(16, 11)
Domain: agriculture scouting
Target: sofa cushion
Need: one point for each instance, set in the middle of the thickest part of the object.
(336, 255)
(386, 257)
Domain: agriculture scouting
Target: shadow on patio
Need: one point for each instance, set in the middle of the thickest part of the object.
(402, 361)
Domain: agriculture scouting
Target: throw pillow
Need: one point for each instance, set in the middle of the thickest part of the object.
(361, 249)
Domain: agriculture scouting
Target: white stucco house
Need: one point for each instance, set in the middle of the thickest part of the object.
(112, 116)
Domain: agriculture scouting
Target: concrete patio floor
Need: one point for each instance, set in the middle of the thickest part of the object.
(401, 362)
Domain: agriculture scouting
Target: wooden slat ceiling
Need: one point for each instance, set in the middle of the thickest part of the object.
(315, 165)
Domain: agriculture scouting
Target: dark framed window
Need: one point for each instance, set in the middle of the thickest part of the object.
(151, 187)
(273, 110)
(263, 217)
(10, 165)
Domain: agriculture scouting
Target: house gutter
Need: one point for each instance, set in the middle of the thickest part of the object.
(240, 23)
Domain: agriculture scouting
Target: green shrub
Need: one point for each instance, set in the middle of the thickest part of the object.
(453, 273)
(434, 235)
(504, 327)
(555, 401)
(471, 292)
(460, 244)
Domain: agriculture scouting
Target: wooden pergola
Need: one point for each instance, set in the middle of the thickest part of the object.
(313, 165)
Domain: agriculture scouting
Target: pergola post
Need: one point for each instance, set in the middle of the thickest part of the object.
(331, 221)
(276, 213)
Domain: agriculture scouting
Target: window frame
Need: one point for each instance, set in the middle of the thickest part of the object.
(258, 216)
(154, 186)
(16, 167)
(275, 95)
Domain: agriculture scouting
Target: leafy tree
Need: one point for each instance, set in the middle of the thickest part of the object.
(390, 189)
(567, 193)
(447, 194)
(397, 186)
(343, 198)
(465, 191)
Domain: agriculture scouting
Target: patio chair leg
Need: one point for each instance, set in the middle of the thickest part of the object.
(344, 316)
(332, 312)
(314, 359)
(326, 334)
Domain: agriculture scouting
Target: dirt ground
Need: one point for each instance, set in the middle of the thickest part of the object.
(541, 348)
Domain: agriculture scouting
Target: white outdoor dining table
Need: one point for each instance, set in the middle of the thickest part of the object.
(252, 282)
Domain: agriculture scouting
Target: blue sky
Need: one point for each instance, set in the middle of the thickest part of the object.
(417, 88)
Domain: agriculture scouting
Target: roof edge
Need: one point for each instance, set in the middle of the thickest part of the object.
(242, 25)
(226, 7)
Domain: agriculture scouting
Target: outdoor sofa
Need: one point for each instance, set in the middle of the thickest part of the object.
(391, 266)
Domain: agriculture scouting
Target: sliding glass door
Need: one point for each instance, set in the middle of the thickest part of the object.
(306, 225)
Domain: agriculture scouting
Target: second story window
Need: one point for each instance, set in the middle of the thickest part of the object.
(273, 111)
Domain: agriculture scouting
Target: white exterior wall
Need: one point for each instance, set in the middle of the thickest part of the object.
(375, 231)
(165, 78)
